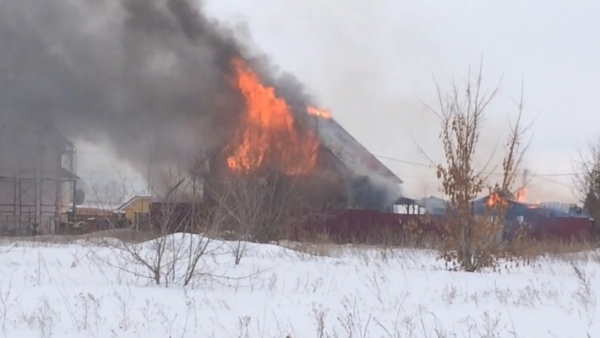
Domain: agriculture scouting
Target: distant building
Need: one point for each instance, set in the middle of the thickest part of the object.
(136, 210)
(37, 176)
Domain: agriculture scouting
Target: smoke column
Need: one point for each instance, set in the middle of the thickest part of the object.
(149, 77)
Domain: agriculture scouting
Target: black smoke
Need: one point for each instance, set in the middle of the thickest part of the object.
(152, 78)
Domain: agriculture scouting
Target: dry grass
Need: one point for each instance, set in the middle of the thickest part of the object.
(125, 235)
(564, 250)
(524, 251)
(319, 245)
(313, 249)
(322, 245)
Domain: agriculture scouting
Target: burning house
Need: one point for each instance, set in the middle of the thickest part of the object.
(158, 82)
(538, 220)
(304, 143)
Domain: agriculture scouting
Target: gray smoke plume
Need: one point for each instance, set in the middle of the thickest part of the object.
(150, 77)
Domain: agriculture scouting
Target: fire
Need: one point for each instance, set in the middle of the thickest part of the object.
(493, 199)
(323, 113)
(522, 195)
(267, 129)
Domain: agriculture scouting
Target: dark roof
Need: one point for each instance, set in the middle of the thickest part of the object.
(350, 152)
(64, 173)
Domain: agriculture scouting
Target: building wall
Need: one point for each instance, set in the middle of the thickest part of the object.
(31, 191)
(137, 210)
(138, 205)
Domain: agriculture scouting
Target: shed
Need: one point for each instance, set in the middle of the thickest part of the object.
(136, 209)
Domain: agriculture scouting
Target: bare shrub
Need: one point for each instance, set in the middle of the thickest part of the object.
(585, 294)
(5, 303)
(473, 241)
(320, 315)
(587, 182)
(261, 206)
(168, 258)
(354, 323)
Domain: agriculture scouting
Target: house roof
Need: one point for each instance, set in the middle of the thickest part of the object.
(434, 205)
(351, 153)
(133, 199)
(64, 173)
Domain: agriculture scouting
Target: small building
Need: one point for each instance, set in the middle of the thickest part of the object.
(136, 210)
(89, 218)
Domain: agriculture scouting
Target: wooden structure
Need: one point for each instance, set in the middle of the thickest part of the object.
(136, 211)
(37, 177)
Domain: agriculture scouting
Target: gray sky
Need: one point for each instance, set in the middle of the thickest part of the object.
(373, 64)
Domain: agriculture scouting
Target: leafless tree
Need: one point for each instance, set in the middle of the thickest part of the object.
(177, 237)
(472, 242)
(587, 179)
(269, 189)
(104, 198)
(269, 203)
(111, 194)
(261, 207)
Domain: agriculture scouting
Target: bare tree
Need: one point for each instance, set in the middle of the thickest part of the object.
(176, 238)
(270, 203)
(110, 194)
(100, 210)
(261, 206)
(587, 180)
(472, 242)
(268, 186)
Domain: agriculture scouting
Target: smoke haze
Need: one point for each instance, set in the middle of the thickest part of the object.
(374, 63)
(150, 78)
(364, 60)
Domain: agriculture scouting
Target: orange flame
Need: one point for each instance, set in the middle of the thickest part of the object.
(323, 113)
(522, 195)
(493, 199)
(267, 130)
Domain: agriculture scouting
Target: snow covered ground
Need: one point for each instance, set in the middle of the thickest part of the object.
(87, 289)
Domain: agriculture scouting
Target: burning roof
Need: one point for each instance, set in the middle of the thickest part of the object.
(268, 131)
(516, 207)
(350, 152)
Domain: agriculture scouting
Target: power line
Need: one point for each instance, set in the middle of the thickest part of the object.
(432, 166)
(559, 183)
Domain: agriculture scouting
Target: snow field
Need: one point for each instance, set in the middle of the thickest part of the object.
(96, 289)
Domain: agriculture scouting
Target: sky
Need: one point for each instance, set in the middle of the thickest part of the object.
(375, 65)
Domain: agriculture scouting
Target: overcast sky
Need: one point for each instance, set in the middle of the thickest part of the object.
(373, 63)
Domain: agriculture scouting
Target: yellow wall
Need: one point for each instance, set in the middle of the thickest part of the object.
(140, 205)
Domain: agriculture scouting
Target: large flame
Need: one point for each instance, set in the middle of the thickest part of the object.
(267, 131)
